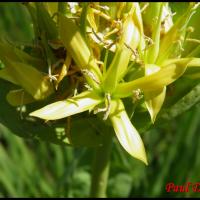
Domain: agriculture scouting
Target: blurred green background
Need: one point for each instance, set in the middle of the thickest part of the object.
(30, 168)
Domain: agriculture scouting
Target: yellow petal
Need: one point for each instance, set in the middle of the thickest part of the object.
(154, 99)
(78, 49)
(61, 109)
(129, 41)
(158, 80)
(190, 62)
(155, 102)
(126, 133)
(117, 67)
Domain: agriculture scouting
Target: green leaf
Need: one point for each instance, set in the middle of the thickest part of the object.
(126, 133)
(19, 97)
(61, 109)
(25, 126)
(120, 185)
(83, 20)
(85, 132)
(52, 7)
(33, 81)
(178, 90)
(15, 54)
(185, 103)
(6, 75)
(45, 22)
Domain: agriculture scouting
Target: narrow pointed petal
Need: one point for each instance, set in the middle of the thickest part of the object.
(126, 133)
(119, 64)
(154, 99)
(190, 62)
(155, 102)
(61, 109)
(158, 80)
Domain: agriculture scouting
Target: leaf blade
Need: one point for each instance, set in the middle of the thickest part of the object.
(19, 97)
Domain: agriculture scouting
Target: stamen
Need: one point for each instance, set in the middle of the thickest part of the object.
(88, 87)
(193, 40)
(108, 106)
(135, 53)
(90, 74)
(144, 7)
(148, 40)
(101, 14)
(137, 95)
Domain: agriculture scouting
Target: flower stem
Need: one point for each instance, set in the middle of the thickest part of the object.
(101, 165)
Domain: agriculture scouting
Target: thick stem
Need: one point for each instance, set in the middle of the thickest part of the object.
(101, 165)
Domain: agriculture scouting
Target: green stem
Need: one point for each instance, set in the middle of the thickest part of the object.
(101, 165)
